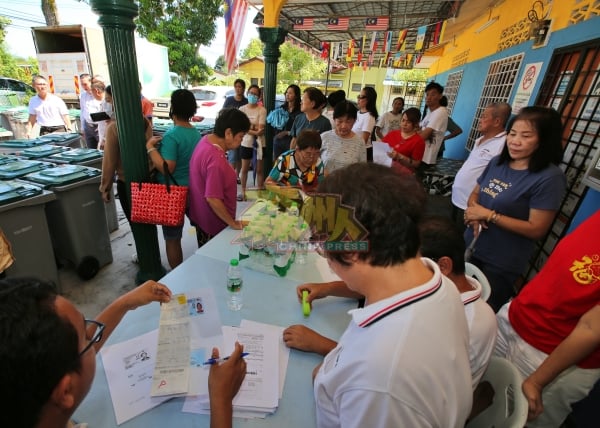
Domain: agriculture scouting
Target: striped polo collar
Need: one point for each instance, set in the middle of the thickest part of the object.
(471, 296)
(370, 314)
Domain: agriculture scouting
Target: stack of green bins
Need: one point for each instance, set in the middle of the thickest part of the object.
(76, 217)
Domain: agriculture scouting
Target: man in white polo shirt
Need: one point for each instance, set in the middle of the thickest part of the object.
(47, 110)
(492, 124)
(403, 360)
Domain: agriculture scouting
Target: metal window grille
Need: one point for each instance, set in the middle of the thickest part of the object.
(498, 85)
(451, 88)
(571, 86)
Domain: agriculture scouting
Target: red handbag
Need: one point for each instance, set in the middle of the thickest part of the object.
(155, 203)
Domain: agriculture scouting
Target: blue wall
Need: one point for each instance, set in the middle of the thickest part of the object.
(472, 86)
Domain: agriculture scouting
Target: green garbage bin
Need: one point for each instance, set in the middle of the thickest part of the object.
(39, 152)
(68, 139)
(76, 218)
(93, 159)
(23, 221)
(11, 146)
(21, 167)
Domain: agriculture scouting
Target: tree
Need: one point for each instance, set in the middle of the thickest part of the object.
(182, 26)
(254, 48)
(50, 12)
(9, 66)
(220, 63)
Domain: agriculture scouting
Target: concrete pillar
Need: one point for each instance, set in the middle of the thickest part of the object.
(116, 19)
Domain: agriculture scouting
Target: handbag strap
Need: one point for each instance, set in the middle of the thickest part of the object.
(167, 176)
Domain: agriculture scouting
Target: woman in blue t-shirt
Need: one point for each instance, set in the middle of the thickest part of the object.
(516, 199)
(176, 149)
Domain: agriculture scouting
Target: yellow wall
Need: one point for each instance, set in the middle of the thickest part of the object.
(511, 29)
(254, 68)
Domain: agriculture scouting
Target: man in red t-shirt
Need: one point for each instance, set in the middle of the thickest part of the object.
(551, 330)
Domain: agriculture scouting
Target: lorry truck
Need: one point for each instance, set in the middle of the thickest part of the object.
(66, 51)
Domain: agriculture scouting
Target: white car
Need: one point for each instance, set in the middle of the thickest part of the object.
(210, 99)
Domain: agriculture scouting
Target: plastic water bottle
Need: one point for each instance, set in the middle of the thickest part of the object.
(302, 247)
(293, 210)
(234, 286)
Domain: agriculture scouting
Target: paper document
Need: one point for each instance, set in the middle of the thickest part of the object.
(172, 369)
(128, 367)
(380, 151)
(260, 388)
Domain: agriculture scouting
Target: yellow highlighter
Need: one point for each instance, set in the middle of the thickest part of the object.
(305, 304)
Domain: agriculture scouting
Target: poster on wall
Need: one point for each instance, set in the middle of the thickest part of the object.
(526, 85)
(592, 176)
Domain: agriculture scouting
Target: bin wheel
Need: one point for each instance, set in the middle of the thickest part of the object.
(88, 267)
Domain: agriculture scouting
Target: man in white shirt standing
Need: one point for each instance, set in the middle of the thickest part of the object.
(492, 124)
(47, 110)
(434, 124)
(85, 82)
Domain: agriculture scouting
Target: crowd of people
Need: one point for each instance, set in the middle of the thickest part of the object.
(414, 296)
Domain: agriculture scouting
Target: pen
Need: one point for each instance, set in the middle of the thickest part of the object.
(219, 360)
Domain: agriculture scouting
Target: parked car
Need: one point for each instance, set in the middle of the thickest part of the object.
(10, 86)
(210, 99)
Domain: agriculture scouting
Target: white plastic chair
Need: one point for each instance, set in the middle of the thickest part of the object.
(509, 407)
(475, 272)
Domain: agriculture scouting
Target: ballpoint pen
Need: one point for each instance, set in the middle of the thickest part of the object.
(219, 360)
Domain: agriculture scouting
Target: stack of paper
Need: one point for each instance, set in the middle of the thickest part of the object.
(266, 361)
(152, 368)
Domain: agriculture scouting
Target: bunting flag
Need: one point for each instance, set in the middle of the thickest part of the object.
(338, 24)
(334, 51)
(371, 57)
(408, 63)
(350, 51)
(379, 23)
(381, 62)
(235, 20)
(387, 44)
(357, 44)
(325, 50)
(303, 23)
(364, 65)
(442, 31)
(359, 57)
(373, 46)
(435, 40)
(363, 46)
(420, 37)
(401, 39)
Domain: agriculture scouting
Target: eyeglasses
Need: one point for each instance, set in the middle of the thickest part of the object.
(97, 337)
(361, 97)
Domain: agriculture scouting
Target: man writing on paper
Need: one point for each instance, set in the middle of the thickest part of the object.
(48, 353)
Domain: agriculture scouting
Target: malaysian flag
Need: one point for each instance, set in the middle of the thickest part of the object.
(379, 23)
(235, 20)
(303, 23)
(338, 23)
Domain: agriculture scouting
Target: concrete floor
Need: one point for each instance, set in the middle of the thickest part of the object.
(118, 277)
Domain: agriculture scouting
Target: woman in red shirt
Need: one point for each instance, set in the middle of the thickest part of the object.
(407, 145)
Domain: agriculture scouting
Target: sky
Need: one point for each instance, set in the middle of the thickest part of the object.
(28, 13)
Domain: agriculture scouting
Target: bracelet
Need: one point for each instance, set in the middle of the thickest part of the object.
(153, 149)
(495, 217)
(492, 214)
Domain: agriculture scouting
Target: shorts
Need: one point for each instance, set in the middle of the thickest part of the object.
(246, 152)
(172, 232)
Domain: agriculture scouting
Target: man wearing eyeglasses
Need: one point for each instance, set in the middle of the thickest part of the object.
(48, 353)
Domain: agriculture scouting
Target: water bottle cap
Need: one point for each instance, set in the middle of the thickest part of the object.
(303, 226)
(233, 262)
(294, 204)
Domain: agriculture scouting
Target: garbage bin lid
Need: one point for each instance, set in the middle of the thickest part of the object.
(59, 137)
(22, 143)
(42, 151)
(78, 155)
(7, 158)
(63, 174)
(12, 190)
(21, 167)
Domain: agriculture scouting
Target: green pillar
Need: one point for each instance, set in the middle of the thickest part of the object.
(272, 38)
(116, 19)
